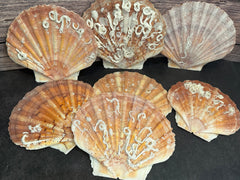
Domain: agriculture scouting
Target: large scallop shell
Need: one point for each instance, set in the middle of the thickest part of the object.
(124, 133)
(43, 117)
(197, 33)
(127, 31)
(203, 110)
(136, 84)
(52, 41)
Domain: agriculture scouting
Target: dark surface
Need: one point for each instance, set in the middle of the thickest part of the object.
(193, 159)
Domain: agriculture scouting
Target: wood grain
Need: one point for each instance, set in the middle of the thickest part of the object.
(11, 8)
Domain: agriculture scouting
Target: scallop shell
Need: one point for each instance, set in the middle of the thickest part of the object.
(204, 110)
(43, 117)
(124, 133)
(127, 32)
(197, 33)
(136, 84)
(52, 41)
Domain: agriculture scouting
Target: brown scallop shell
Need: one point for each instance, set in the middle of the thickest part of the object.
(128, 32)
(204, 110)
(54, 42)
(136, 84)
(124, 133)
(197, 33)
(43, 117)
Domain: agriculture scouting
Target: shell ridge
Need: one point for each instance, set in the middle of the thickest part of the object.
(112, 101)
(184, 107)
(201, 24)
(190, 39)
(104, 135)
(172, 21)
(201, 49)
(22, 56)
(77, 124)
(36, 37)
(31, 38)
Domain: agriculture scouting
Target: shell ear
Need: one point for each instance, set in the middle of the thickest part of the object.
(204, 110)
(43, 117)
(197, 33)
(135, 84)
(127, 32)
(52, 41)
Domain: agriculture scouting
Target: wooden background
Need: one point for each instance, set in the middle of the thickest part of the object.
(9, 9)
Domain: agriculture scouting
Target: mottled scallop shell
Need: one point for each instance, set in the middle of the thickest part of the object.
(127, 31)
(52, 41)
(43, 117)
(197, 33)
(125, 135)
(204, 110)
(136, 84)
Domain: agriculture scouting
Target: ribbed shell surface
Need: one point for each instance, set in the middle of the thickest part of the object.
(124, 133)
(197, 33)
(203, 110)
(44, 116)
(52, 41)
(136, 84)
(127, 31)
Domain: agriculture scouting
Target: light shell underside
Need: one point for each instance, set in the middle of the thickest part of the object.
(43, 117)
(127, 32)
(197, 33)
(203, 110)
(124, 133)
(52, 41)
(136, 84)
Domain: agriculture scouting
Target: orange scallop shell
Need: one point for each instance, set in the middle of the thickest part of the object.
(125, 135)
(204, 110)
(127, 32)
(136, 84)
(43, 117)
(54, 42)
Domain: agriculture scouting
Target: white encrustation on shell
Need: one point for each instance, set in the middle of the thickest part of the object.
(127, 32)
(123, 134)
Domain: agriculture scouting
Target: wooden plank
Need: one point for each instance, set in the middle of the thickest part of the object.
(11, 8)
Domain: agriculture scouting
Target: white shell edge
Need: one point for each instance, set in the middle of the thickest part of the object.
(141, 173)
(42, 78)
(171, 64)
(65, 147)
(108, 65)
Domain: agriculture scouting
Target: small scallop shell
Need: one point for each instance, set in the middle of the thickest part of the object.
(43, 117)
(52, 41)
(136, 84)
(204, 110)
(197, 33)
(127, 32)
(124, 133)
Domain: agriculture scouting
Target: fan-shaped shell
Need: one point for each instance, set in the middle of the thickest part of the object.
(52, 41)
(203, 110)
(43, 117)
(197, 33)
(124, 133)
(136, 84)
(127, 32)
